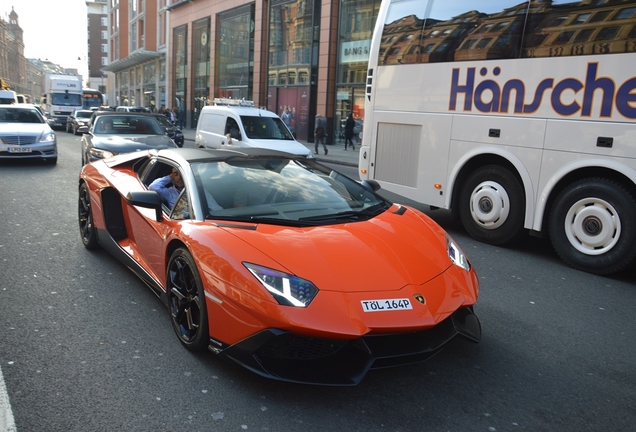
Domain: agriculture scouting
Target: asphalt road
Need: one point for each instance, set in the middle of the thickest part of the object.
(85, 346)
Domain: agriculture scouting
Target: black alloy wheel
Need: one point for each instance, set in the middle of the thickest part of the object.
(87, 230)
(186, 301)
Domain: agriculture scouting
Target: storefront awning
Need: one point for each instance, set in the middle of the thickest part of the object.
(134, 59)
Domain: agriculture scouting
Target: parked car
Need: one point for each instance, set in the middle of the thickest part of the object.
(239, 124)
(25, 134)
(78, 119)
(171, 129)
(285, 266)
(112, 133)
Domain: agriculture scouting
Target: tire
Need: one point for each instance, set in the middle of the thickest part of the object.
(186, 301)
(492, 205)
(592, 226)
(85, 216)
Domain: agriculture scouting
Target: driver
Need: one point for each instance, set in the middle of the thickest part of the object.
(169, 187)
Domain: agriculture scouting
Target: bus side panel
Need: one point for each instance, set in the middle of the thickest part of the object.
(408, 148)
(603, 139)
(496, 130)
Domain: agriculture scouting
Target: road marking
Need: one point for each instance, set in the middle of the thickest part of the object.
(7, 423)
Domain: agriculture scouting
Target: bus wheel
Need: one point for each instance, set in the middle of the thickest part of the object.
(492, 205)
(592, 226)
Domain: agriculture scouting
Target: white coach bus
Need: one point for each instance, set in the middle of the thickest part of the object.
(516, 116)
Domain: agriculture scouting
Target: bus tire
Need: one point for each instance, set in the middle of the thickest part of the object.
(492, 205)
(592, 226)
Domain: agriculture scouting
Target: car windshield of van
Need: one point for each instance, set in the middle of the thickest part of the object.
(66, 99)
(272, 128)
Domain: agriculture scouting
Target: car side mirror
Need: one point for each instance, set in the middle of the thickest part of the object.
(146, 199)
(371, 185)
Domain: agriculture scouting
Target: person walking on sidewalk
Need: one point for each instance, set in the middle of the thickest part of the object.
(349, 125)
(319, 133)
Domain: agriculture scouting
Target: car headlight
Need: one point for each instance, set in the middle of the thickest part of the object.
(456, 255)
(48, 137)
(288, 290)
(101, 154)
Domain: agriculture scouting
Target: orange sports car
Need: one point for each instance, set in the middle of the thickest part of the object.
(279, 263)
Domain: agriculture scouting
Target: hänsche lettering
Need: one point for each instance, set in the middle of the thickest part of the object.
(489, 96)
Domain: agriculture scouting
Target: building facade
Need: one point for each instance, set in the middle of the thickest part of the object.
(305, 56)
(97, 32)
(13, 64)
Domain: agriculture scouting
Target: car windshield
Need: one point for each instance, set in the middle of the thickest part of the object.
(296, 192)
(20, 115)
(66, 99)
(126, 124)
(272, 128)
(83, 114)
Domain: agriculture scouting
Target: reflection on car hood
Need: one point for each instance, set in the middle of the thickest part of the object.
(384, 253)
(120, 143)
(289, 146)
(31, 129)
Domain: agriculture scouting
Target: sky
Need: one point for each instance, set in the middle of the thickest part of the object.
(53, 29)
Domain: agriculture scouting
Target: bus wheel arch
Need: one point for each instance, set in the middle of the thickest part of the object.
(490, 200)
(592, 225)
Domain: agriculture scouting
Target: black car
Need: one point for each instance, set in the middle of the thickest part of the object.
(171, 129)
(78, 119)
(112, 133)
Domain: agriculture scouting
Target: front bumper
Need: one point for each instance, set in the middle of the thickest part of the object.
(286, 356)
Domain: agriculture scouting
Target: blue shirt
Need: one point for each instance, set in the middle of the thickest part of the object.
(168, 193)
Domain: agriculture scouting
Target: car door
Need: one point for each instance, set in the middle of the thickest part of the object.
(149, 236)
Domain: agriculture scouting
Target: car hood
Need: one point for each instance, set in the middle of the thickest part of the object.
(385, 253)
(289, 146)
(122, 143)
(32, 129)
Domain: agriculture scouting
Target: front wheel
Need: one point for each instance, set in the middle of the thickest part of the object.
(186, 301)
(87, 229)
(492, 205)
(592, 226)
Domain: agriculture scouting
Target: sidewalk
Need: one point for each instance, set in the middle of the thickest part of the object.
(336, 152)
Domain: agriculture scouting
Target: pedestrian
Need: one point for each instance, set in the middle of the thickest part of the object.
(319, 133)
(181, 118)
(349, 125)
(286, 118)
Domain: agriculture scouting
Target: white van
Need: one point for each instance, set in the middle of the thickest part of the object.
(239, 124)
(8, 97)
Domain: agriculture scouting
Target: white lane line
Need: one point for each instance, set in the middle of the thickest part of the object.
(7, 423)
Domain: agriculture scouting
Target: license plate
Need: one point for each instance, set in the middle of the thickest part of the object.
(19, 149)
(386, 305)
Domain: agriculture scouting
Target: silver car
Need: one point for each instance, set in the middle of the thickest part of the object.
(24, 134)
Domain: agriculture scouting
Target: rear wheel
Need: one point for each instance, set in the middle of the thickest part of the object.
(87, 229)
(492, 205)
(186, 301)
(592, 226)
